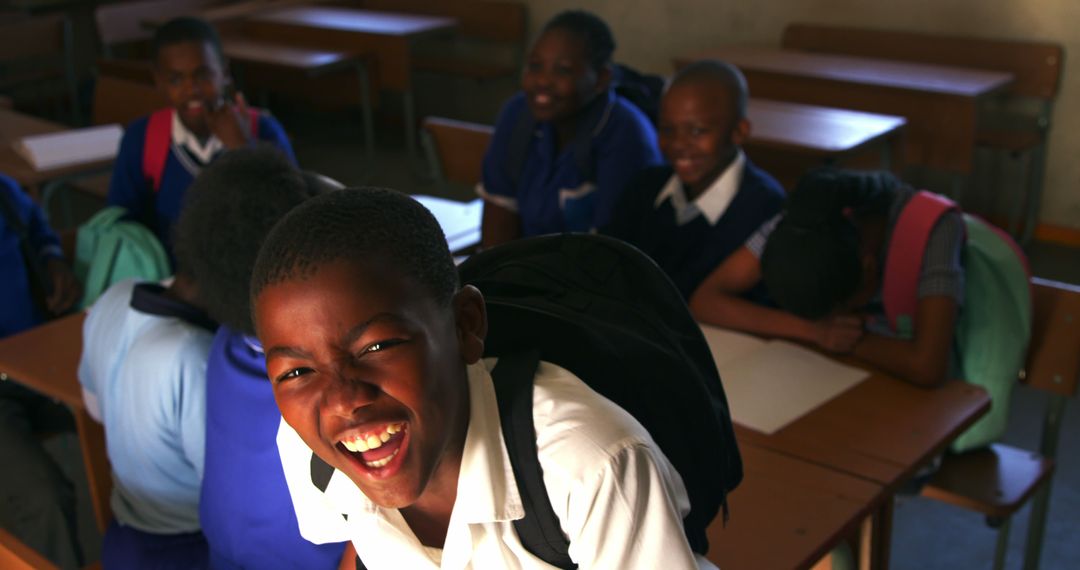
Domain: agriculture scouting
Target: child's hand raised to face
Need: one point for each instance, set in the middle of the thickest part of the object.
(228, 120)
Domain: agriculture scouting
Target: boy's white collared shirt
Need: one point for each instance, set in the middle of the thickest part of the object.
(202, 152)
(620, 502)
(712, 203)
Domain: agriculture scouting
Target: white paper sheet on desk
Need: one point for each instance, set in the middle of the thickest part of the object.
(460, 221)
(67, 148)
(770, 384)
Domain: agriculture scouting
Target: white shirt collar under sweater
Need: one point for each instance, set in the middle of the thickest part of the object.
(185, 139)
(713, 202)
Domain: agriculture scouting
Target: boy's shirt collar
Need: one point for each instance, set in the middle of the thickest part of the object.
(713, 202)
(202, 152)
(487, 490)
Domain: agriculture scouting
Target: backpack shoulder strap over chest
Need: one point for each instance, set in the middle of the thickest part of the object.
(159, 139)
(592, 120)
(539, 530)
(903, 261)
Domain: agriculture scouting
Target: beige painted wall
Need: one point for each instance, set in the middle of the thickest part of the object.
(650, 32)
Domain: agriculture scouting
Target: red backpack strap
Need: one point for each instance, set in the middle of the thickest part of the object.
(253, 116)
(903, 261)
(156, 146)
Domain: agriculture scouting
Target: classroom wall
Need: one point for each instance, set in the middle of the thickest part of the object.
(649, 32)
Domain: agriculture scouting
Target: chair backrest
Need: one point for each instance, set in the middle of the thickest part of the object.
(122, 23)
(457, 148)
(493, 20)
(119, 100)
(16, 555)
(1053, 363)
(1036, 66)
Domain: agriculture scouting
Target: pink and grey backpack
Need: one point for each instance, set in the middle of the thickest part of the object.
(994, 324)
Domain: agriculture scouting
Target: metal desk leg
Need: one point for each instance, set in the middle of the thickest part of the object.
(410, 124)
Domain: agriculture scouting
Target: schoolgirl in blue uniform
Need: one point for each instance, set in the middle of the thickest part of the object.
(566, 146)
(161, 154)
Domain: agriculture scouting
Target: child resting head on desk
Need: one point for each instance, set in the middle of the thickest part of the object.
(565, 147)
(162, 153)
(692, 213)
(374, 352)
(822, 261)
(244, 506)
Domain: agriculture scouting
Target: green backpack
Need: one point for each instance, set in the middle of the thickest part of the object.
(109, 249)
(994, 325)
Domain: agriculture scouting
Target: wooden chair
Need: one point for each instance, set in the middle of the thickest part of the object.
(39, 50)
(16, 555)
(999, 480)
(1036, 67)
(455, 149)
(489, 42)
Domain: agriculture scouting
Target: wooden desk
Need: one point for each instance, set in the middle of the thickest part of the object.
(15, 125)
(788, 513)
(387, 36)
(786, 139)
(939, 102)
(46, 360)
(882, 431)
(308, 62)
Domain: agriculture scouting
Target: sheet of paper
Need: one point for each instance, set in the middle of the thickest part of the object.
(779, 382)
(727, 345)
(67, 148)
(460, 221)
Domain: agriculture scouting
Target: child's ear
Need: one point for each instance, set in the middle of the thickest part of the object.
(741, 132)
(470, 316)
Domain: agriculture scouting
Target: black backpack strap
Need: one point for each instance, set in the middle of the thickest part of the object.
(518, 146)
(539, 530)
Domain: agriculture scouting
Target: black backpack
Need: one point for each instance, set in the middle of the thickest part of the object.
(605, 311)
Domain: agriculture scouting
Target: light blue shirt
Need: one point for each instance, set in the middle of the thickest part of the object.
(144, 378)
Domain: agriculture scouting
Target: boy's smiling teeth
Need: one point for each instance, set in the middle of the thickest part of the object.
(367, 442)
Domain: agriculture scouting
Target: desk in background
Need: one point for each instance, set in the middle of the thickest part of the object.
(940, 103)
(386, 36)
(15, 125)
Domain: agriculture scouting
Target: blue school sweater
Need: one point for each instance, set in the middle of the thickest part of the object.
(130, 189)
(549, 193)
(17, 311)
(689, 253)
(245, 508)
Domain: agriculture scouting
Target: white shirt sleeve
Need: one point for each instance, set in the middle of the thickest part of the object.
(627, 516)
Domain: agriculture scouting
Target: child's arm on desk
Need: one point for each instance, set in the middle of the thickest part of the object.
(923, 360)
(716, 302)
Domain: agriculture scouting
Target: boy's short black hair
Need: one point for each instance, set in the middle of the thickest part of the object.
(812, 260)
(358, 224)
(599, 41)
(721, 73)
(186, 29)
(227, 213)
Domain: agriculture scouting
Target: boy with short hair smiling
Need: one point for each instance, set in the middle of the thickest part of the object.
(205, 120)
(374, 351)
(693, 213)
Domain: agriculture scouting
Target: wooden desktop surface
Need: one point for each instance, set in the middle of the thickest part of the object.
(822, 131)
(15, 125)
(939, 102)
(788, 513)
(386, 35)
(46, 358)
